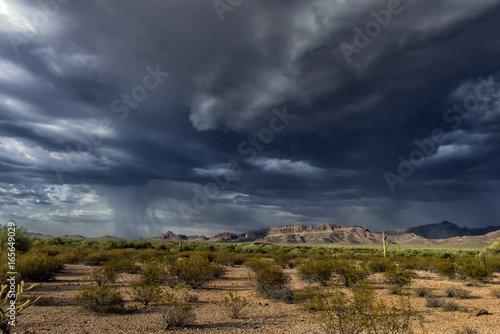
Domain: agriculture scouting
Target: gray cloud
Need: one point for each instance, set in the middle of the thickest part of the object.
(69, 163)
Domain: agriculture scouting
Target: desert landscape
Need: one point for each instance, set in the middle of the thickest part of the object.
(141, 286)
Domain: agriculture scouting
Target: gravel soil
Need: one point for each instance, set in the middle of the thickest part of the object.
(57, 313)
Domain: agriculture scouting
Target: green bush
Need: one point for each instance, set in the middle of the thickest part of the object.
(100, 299)
(104, 274)
(380, 265)
(19, 241)
(398, 279)
(350, 274)
(177, 312)
(316, 272)
(233, 305)
(273, 283)
(446, 268)
(195, 271)
(456, 291)
(146, 292)
(364, 312)
(472, 270)
(37, 267)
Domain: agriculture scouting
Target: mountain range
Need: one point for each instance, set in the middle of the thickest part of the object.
(441, 233)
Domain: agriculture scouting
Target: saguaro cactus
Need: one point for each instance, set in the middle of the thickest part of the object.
(482, 260)
(385, 243)
(180, 242)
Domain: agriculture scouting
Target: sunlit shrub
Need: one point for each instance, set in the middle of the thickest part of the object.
(100, 299)
(233, 305)
(456, 291)
(177, 312)
(316, 272)
(272, 283)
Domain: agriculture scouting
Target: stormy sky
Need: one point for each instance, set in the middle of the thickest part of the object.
(133, 118)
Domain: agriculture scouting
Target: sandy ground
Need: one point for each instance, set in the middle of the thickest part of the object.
(57, 312)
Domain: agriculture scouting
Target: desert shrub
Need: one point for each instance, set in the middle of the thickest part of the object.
(156, 271)
(97, 258)
(22, 241)
(256, 263)
(495, 292)
(451, 306)
(380, 265)
(364, 312)
(446, 268)
(195, 271)
(233, 305)
(310, 298)
(285, 260)
(146, 292)
(494, 248)
(350, 274)
(104, 274)
(100, 299)
(37, 267)
(434, 302)
(123, 264)
(466, 330)
(316, 272)
(177, 312)
(229, 259)
(273, 283)
(472, 270)
(423, 291)
(398, 279)
(456, 291)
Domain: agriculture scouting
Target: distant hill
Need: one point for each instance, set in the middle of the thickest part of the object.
(327, 233)
(39, 235)
(444, 230)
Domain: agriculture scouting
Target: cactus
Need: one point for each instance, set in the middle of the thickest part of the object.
(180, 242)
(482, 260)
(9, 314)
(385, 243)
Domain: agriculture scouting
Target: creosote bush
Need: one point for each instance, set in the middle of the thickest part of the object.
(423, 291)
(104, 274)
(37, 267)
(472, 270)
(398, 279)
(233, 305)
(195, 271)
(363, 312)
(177, 312)
(316, 271)
(350, 274)
(272, 282)
(433, 302)
(100, 299)
(147, 291)
(456, 291)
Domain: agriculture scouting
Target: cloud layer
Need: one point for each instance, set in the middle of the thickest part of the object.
(134, 118)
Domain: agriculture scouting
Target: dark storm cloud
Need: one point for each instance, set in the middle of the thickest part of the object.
(74, 110)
